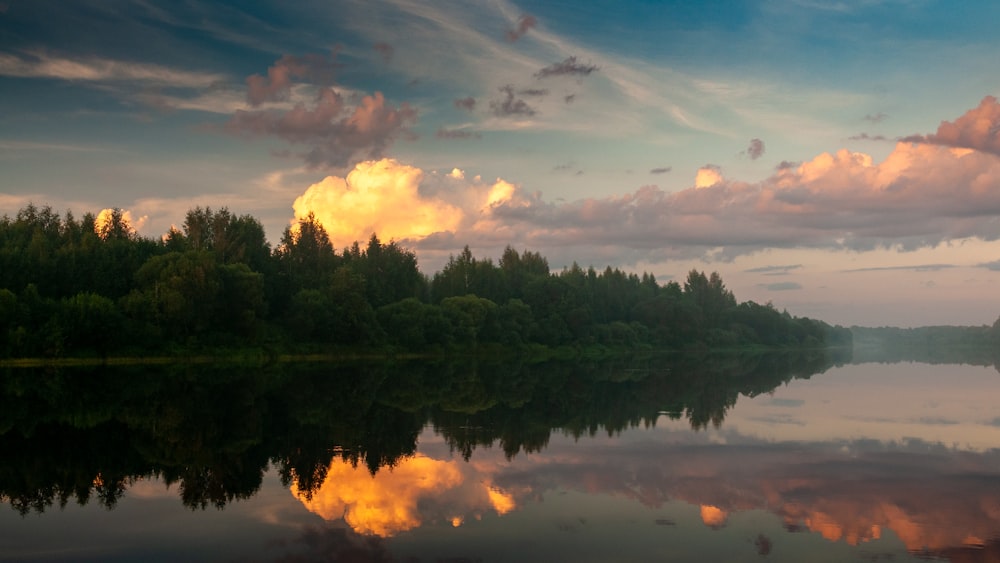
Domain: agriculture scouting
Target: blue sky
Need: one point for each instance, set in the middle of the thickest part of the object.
(836, 158)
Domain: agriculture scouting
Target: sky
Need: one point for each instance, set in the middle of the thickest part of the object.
(840, 160)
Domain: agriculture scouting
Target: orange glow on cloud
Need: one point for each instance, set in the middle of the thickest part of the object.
(502, 502)
(713, 516)
(707, 177)
(379, 197)
(104, 217)
(394, 500)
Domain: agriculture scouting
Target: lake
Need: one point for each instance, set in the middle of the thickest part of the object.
(660, 458)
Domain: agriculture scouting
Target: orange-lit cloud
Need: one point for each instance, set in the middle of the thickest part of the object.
(978, 128)
(713, 516)
(384, 504)
(707, 177)
(416, 491)
(401, 202)
(380, 197)
(131, 224)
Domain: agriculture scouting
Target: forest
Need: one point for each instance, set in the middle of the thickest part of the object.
(92, 287)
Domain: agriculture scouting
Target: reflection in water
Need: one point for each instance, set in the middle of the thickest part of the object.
(402, 497)
(395, 449)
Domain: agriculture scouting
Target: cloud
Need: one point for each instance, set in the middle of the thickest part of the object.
(708, 176)
(568, 67)
(994, 265)
(468, 104)
(867, 137)
(311, 68)
(443, 133)
(510, 105)
(876, 118)
(384, 49)
(919, 196)
(773, 270)
(524, 23)
(755, 150)
(917, 268)
(335, 134)
(568, 98)
(533, 92)
(382, 197)
(661, 170)
(416, 490)
(781, 286)
(977, 129)
(94, 69)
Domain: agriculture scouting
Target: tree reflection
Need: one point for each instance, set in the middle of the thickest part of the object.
(81, 434)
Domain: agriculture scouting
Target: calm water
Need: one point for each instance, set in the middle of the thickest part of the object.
(732, 459)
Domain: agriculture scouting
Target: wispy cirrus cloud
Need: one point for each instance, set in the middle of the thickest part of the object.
(38, 64)
(774, 270)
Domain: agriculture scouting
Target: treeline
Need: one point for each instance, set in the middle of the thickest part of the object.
(976, 345)
(94, 287)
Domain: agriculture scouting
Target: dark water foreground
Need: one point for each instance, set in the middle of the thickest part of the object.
(752, 458)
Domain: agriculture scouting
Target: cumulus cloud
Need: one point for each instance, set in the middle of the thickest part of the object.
(382, 197)
(568, 67)
(755, 150)
(708, 176)
(312, 68)
(334, 133)
(977, 129)
(510, 104)
(524, 23)
(920, 196)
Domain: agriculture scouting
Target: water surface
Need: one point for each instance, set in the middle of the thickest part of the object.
(660, 459)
